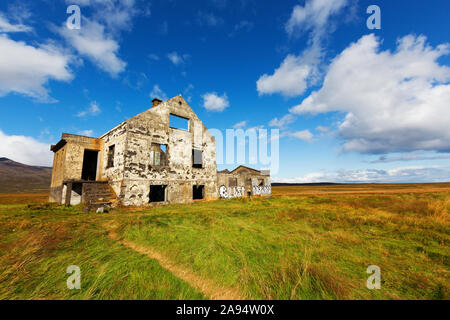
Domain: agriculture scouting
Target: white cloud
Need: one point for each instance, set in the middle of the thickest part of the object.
(414, 156)
(153, 56)
(26, 150)
(297, 73)
(214, 102)
(92, 42)
(322, 129)
(283, 122)
(188, 92)
(209, 19)
(163, 28)
(393, 101)
(116, 15)
(240, 125)
(242, 26)
(6, 26)
(98, 38)
(177, 59)
(26, 69)
(313, 16)
(290, 79)
(304, 135)
(93, 110)
(87, 133)
(395, 175)
(158, 93)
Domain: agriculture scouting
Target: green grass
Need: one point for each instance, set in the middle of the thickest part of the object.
(37, 246)
(308, 247)
(303, 247)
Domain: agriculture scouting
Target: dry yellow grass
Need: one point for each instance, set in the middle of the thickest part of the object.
(23, 198)
(307, 242)
(361, 189)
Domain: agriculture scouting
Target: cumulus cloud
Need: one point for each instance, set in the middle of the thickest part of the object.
(392, 101)
(177, 59)
(214, 102)
(283, 122)
(99, 36)
(298, 72)
(92, 110)
(209, 19)
(240, 125)
(290, 79)
(26, 69)
(153, 57)
(414, 156)
(6, 26)
(313, 16)
(322, 128)
(304, 135)
(92, 42)
(158, 93)
(87, 133)
(24, 149)
(395, 175)
(116, 15)
(242, 26)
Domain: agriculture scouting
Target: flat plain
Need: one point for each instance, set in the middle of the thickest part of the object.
(306, 242)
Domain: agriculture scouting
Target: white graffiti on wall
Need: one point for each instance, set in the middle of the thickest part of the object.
(231, 192)
(257, 191)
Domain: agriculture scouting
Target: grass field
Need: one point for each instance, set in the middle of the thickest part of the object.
(304, 243)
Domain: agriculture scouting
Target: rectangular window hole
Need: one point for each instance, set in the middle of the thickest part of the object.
(157, 194)
(180, 123)
(197, 158)
(111, 152)
(158, 155)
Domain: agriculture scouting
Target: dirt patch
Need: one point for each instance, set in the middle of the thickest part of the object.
(206, 286)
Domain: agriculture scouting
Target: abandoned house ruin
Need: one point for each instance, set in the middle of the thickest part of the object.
(163, 155)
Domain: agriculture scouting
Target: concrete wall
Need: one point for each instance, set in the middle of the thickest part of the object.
(115, 174)
(152, 126)
(75, 146)
(248, 183)
(133, 172)
(68, 162)
(57, 175)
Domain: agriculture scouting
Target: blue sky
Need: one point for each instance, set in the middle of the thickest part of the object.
(352, 104)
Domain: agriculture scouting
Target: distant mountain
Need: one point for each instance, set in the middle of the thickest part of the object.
(19, 177)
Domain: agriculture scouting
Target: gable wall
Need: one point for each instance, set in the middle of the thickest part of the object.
(152, 126)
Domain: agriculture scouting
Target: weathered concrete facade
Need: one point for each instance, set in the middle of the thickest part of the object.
(68, 165)
(243, 182)
(163, 155)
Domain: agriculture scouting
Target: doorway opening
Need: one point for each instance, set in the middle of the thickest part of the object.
(89, 172)
(198, 192)
(75, 197)
(157, 194)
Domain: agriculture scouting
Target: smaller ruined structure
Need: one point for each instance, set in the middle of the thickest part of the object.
(243, 182)
(162, 155)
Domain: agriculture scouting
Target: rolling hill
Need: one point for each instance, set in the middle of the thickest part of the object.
(18, 177)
